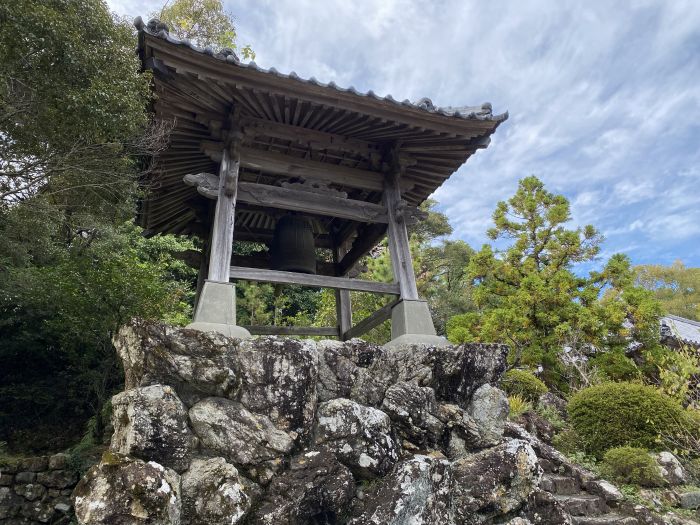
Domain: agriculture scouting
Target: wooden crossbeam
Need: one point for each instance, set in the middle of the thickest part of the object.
(315, 281)
(301, 200)
(292, 330)
(369, 322)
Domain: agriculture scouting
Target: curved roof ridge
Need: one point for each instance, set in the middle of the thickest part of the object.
(484, 111)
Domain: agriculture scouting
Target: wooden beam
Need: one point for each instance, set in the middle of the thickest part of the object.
(308, 137)
(367, 238)
(316, 281)
(292, 330)
(399, 248)
(369, 322)
(263, 262)
(343, 305)
(222, 234)
(289, 198)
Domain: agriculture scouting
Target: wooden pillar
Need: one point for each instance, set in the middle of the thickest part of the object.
(397, 234)
(222, 233)
(343, 307)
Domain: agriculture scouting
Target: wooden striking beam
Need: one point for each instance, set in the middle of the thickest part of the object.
(288, 198)
(315, 281)
(292, 330)
(369, 322)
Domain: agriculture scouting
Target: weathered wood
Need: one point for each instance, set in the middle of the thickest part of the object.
(290, 198)
(315, 281)
(367, 238)
(308, 137)
(369, 322)
(292, 330)
(263, 262)
(343, 305)
(399, 249)
(222, 233)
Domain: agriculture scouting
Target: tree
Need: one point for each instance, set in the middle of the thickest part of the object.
(204, 22)
(676, 287)
(72, 105)
(529, 296)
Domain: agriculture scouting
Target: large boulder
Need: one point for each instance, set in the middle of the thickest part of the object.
(417, 491)
(151, 423)
(413, 410)
(360, 437)
(344, 370)
(195, 364)
(670, 468)
(278, 379)
(213, 493)
(126, 491)
(489, 408)
(249, 440)
(315, 489)
(494, 482)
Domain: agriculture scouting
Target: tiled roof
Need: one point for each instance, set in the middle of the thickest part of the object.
(482, 112)
(682, 329)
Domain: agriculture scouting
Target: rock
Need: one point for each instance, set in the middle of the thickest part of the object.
(494, 482)
(122, 490)
(554, 402)
(35, 464)
(151, 423)
(464, 434)
(58, 479)
(246, 439)
(59, 461)
(6, 480)
(343, 369)
(489, 408)
(458, 371)
(642, 514)
(359, 436)
(278, 378)
(416, 492)
(315, 489)
(30, 491)
(196, 364)
(10, 503)
(690, 500)
(412, 408)
(25, 477)
(537, 425)
(606, 490)
(213, 494)
(543, 508)
(670, 468)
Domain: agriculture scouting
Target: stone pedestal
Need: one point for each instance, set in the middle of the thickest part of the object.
(411, 323)
(216, 310)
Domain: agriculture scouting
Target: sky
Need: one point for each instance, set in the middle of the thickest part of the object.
(603, 98)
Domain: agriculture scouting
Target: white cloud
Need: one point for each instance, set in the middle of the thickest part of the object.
(603, 97)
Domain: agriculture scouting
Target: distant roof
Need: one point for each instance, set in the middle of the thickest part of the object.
(291, 126)
(685, 330)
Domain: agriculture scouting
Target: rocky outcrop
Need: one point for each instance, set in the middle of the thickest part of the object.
(281, 431)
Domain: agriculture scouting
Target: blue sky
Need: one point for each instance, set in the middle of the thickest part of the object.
(604, 98)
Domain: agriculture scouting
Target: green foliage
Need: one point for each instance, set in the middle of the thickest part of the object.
(676, 287)
(204, 22)
(616, 366)
(552, 416)
(678, 371)
(518, 406)
(620, 414)
(631, 465)
(72, 104)
(523, 383)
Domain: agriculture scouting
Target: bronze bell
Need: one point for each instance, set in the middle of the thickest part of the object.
(292, 248)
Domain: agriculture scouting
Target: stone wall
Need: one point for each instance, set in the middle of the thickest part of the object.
(36, 490)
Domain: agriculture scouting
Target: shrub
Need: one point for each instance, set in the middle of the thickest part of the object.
(618, 414)
(518, 406)
(631, 465)
(567, 441)
(616, 366)
(523, 383)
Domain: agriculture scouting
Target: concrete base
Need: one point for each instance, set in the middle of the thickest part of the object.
(216, 311)
(411, 323)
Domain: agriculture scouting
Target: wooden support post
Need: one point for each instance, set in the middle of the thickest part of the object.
(343, 306)
(399, 248)
(222, 234)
